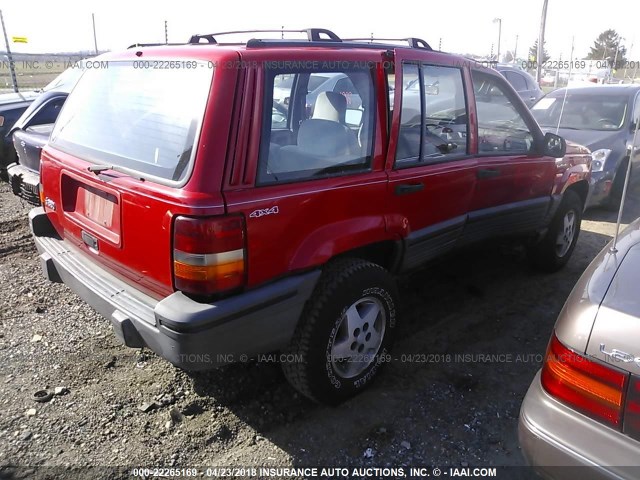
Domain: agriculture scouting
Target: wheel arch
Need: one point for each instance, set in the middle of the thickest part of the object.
(581, 188)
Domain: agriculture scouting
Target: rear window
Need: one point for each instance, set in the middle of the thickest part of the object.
(144, 119)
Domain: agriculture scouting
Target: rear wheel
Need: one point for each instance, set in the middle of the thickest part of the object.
(345, 332)
(554, 250)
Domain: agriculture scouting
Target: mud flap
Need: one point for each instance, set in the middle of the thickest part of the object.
(49, 268)
(125, 331)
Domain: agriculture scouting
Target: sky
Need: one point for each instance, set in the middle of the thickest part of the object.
(462, 26)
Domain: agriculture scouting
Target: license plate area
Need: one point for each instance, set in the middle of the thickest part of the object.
(93, 208)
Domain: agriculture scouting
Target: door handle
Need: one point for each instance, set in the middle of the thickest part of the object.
(405, 188)
(488, 173)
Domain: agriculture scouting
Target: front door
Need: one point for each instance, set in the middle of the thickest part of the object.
(431, 172)
(514, 181)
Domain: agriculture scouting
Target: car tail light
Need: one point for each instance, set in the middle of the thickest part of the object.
(589, 387)
(632, 409)
(40, 187)
(208, 254)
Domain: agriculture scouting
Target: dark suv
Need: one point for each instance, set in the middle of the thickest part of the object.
(210, 226)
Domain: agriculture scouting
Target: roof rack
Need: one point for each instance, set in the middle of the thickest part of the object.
(137, 45)
(412, 41)
(313, 35)
(321, 37)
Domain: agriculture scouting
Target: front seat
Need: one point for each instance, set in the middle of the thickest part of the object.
(323, 140)
(330, 106)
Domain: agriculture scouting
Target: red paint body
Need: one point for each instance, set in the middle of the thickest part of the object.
(316, 219)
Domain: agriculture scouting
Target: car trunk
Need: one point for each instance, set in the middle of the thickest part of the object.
(615, 337)
(28, 144)
(115, 171)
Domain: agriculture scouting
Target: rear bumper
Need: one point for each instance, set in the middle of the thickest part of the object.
(24, 182)
(554, 437)
(191, 335)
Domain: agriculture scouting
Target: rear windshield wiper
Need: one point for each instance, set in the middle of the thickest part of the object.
(98, 169)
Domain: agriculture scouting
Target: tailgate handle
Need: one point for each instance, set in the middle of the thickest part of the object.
(488, 173)
(90, 241)
(406, 188)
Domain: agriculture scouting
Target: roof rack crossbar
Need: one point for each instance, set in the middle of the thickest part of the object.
(413, 42)
(313, 35)
(138, 45)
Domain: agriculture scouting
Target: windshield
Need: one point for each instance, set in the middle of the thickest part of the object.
(143, 119)
(66, 80)
(582, 111)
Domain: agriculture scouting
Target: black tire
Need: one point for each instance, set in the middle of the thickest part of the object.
(615, 194)
(315, 367)
(551, 254)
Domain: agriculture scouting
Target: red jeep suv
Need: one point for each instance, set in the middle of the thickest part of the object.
(212, 208)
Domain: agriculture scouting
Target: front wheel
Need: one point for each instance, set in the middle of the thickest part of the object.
(554, 250)
(345, 332)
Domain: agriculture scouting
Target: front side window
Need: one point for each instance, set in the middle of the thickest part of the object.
(320, 124)
(501, 127)
(433, 119)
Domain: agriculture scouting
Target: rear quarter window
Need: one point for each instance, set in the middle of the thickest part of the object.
(144, 119)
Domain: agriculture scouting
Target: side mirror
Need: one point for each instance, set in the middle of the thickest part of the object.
(554, 146)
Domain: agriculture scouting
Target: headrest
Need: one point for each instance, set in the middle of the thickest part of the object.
(330, 106)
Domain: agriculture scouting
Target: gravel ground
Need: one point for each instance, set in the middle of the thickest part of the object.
(443, 400)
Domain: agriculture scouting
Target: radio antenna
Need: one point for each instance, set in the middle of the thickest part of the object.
(614, 248)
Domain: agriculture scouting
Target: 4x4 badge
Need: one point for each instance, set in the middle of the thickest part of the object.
(263, 212)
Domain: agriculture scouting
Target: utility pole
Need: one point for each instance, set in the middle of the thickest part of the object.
(515, 51)
(624, 74)
(543, 22)
(166, 33)
(12, 67)
(95, 41)
(499, 22)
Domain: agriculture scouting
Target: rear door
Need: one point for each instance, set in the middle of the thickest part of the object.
(308, 176)
(514, 182)
(430, 163)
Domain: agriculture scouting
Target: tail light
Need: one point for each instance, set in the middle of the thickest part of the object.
(208, 254)
(40, 187)
(632, 409)
(589, 387)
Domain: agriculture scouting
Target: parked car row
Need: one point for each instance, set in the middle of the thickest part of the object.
(29, 131)
(12, 106)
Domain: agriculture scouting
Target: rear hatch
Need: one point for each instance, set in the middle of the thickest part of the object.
(115, 173)
(28, 144)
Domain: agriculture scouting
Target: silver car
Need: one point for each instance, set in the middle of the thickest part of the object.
(583, 407)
